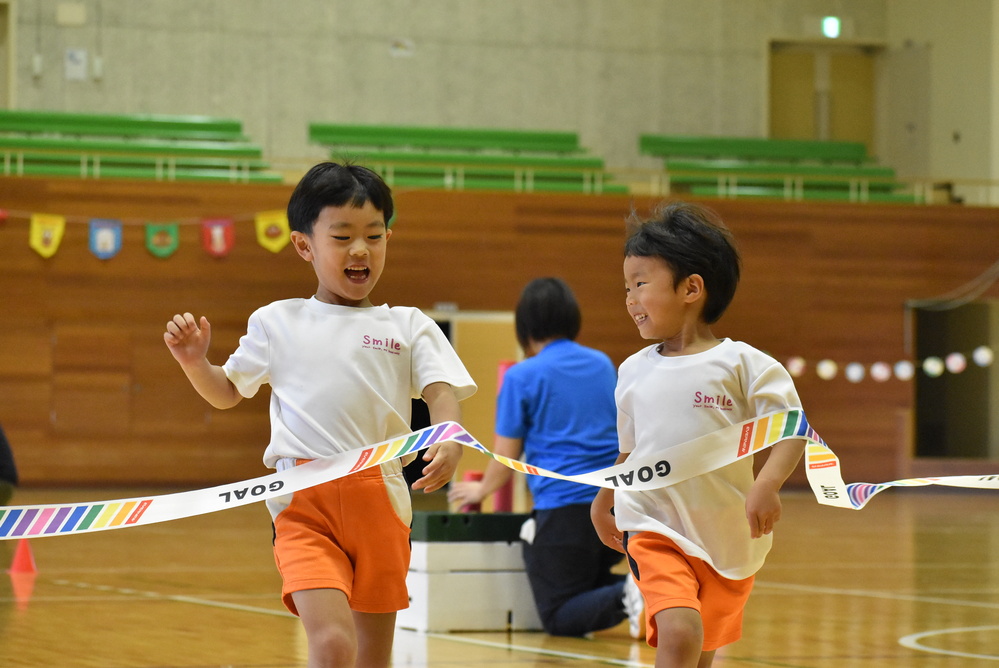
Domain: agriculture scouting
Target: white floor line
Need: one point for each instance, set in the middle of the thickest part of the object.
(538, 650)
(284, 613)
(876, 594)
(912, 642)
(176, 598)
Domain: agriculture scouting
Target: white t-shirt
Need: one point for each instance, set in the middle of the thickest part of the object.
(341, 377)
(666, 401)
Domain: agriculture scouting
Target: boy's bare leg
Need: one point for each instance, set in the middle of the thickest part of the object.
(375, 632)
(681, 636)
(329, 627)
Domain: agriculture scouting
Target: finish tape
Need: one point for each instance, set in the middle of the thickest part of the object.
(673, 465)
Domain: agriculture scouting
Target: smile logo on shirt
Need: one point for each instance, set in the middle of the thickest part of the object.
(388, 345)
(718, 402)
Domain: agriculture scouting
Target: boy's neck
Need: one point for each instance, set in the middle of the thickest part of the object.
(328, 298)
(689, 341)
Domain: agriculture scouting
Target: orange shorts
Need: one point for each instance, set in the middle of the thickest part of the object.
(345, 535)
(669, 578)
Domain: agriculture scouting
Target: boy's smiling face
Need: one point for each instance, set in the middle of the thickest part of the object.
(657, 307)
(347, 250)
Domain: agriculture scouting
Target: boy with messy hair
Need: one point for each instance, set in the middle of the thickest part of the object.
(342, 374)
(693, 547)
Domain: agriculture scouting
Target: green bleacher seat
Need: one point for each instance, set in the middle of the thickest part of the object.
(753, 148)
(129, 146)
(468, 158)
(445, 138)
(812, 194)
(759, 167)
(205, 128)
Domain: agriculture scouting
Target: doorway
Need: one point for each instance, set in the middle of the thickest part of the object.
(957, 408)
(822, 91)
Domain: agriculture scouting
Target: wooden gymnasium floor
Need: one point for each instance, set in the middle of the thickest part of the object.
(913, 580)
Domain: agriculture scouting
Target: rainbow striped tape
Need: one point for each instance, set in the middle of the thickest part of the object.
(674, 465)
(79, 518)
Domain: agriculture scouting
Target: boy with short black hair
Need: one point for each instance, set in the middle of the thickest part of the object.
(695, 546)
(342, 374)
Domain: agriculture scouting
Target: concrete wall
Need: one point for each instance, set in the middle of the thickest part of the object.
(953, 89)
(608, 69)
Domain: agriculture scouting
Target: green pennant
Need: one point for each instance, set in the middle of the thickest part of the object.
(162, 239)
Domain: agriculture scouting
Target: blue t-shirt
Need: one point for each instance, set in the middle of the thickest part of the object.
(561, 404)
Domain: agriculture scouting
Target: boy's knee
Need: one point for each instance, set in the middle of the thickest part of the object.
(332, 646)
(680, 628)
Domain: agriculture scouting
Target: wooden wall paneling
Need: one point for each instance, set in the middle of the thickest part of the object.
(91, 402)
(25, 402)
(25, 351)
(482, 341)
(164, 404)
(820, 280)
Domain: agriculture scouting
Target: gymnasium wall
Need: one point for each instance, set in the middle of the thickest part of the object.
(89, 393)
(607, 69)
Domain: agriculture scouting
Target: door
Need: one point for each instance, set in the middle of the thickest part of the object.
(820, 91)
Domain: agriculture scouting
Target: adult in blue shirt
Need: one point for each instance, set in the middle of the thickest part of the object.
(556, 408)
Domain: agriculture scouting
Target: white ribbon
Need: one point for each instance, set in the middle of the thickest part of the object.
(673, 465)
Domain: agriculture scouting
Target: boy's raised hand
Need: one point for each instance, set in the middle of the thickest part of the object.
(187, 339)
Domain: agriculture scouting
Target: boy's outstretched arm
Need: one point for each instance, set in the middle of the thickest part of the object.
(442, 457)
(603, 518)
(763, 505)
(188, 341)
(495, 476)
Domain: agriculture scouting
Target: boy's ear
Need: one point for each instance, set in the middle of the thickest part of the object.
(693, 288)
(303, 245)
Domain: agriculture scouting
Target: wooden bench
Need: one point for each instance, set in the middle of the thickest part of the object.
(784, 168)
(129, 146)
(468, 158)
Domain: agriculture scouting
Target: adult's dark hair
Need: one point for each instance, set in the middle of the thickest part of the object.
(691, 239)
(335, 184)
(547, 310)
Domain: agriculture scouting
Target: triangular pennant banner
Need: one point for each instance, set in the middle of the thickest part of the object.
(272, 230)
(162, 239)
(105, 238)
(46, 233)
(218, 236)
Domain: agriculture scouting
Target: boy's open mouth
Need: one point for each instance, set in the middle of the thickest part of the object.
(357, 273)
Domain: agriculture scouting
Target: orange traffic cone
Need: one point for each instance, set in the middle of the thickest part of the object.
(24, 561)
(23, 586)
(22, 574)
